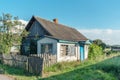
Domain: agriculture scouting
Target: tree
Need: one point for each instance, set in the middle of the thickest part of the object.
(100, 43)
(7, 37)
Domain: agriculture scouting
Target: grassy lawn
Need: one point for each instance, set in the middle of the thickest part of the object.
(103, 68)
(18, 74)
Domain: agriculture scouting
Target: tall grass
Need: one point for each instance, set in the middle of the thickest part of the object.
(17, 73)
(101, 68)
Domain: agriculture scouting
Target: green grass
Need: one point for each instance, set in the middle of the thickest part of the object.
(17, 73)
(103, 68)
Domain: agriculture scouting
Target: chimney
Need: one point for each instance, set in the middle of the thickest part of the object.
(55, 20)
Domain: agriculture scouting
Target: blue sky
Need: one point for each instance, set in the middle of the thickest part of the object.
(80, 14)
(77, 13)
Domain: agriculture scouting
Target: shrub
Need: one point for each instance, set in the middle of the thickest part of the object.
(109, 52)
(94, 51)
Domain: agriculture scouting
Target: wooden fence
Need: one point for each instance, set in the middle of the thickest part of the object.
(14, 60)
(35, 63)
(48, 59)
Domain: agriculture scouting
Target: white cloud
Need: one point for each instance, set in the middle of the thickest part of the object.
(108, 36)
(24, 24)
(109, 31)
(18, 28)
(23, 21)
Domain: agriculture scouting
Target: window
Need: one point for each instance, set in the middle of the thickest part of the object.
(67, 50)
(71, 50)
(46, 48)
(64, 50)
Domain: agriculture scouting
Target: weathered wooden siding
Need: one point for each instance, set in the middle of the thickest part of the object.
(36, 29)
(47, 40)
(57, 48)
(66, 58)
(25, 47)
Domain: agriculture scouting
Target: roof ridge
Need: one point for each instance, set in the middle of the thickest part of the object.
(52, 22)
(59, 31)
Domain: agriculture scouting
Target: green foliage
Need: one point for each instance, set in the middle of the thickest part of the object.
(100, 43)
(17, 73)
(111, 65)
(109, 52)
(105, 69)
(64, 66)
(8, 38)
(94, 51)
(24, 33)
(5, 42)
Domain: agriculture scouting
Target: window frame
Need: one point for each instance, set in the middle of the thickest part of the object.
(68, 50)
(48, 48)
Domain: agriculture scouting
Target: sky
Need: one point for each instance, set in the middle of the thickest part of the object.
(96, 19)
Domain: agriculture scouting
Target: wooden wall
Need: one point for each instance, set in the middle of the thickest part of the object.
(36, 29)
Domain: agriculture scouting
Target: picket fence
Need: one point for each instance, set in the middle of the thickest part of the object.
(35, 63)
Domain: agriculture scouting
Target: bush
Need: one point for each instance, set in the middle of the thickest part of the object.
(0, 61)
(109, 52)
(94, 51)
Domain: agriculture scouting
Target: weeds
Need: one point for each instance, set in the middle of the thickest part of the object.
(103, 68)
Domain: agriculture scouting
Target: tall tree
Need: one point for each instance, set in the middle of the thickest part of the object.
(100, 43)
(8, 38)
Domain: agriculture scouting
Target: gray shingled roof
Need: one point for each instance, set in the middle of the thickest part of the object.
(59, 31)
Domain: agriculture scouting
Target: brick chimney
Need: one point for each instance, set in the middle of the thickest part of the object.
(55, 20)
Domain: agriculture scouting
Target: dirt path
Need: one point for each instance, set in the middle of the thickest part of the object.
(5, 77)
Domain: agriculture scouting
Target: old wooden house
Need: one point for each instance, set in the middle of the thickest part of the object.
(51, 37)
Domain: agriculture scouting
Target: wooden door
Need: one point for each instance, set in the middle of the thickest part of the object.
(82, 52)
